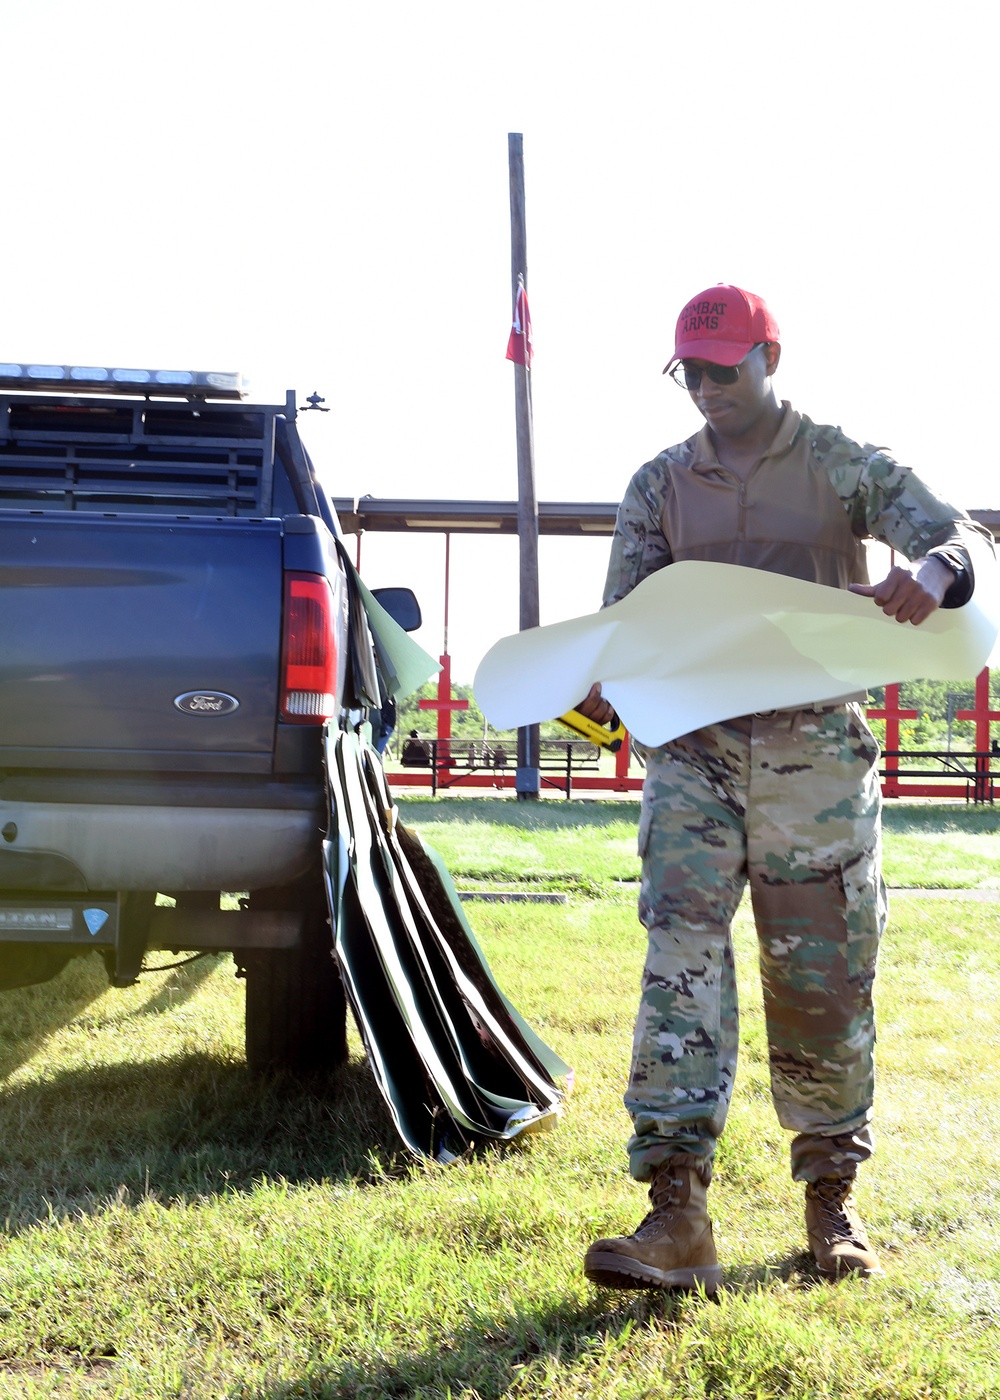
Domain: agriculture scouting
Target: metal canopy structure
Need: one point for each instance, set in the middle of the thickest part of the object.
(580, 518)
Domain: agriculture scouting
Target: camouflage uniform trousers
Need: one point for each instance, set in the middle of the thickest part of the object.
(791, 803)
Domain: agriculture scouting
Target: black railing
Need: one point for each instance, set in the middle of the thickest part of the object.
(458, 759)
(969, 767)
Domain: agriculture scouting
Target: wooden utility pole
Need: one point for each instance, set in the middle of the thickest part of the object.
(527, 779)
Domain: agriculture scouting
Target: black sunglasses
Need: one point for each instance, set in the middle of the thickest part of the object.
(689, 376)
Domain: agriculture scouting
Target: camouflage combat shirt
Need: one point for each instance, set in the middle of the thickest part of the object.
(804, 510)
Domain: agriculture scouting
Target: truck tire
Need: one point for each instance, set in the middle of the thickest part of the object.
(296, 1011)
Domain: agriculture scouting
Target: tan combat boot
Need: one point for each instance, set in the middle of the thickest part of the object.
(673, 1246)
(837, 1237)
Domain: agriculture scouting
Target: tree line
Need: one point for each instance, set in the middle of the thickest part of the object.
(935, 728)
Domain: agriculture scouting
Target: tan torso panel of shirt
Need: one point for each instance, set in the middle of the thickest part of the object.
(785, 516)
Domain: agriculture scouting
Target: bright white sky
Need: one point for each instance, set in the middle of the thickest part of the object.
(316, 194)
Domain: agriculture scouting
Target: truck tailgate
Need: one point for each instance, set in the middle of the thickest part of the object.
(107, 623)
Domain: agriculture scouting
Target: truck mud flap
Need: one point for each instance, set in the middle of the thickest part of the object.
(452, 1058)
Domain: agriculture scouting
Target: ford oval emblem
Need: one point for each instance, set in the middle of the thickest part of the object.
(206, 702)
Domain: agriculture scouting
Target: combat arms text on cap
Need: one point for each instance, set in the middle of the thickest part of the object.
(722, 325)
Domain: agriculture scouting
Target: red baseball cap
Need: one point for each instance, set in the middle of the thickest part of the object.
(722, 325)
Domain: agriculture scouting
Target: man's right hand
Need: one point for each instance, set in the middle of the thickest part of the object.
(595, 707)
(910, 592)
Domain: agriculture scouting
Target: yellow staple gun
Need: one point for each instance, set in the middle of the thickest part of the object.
(608, 737)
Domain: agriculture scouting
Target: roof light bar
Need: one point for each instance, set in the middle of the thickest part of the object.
(150, 383)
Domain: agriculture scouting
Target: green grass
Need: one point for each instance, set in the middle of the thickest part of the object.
(941, 845)
(586, 847)
(174, 1229)
(590, 846)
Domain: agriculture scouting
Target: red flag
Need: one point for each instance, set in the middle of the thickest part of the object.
(519, 348)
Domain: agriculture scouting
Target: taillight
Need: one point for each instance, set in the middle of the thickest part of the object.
(308, 651)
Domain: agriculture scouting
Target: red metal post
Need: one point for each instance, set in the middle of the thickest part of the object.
(892, 714)
(982, 714)
(622, 758)
(444, 704)
(447, 585)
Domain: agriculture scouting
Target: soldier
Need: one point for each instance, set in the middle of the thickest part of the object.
(787, 800)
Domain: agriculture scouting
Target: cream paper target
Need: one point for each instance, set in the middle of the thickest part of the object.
(696, 643)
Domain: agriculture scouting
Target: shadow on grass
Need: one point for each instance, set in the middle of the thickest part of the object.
(177, 1128)
(30, 1015)
(181, 985)
(487, 1357)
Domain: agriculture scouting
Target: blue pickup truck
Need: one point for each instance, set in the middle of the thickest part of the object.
(178, 621)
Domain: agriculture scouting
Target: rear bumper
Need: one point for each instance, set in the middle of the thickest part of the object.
(168, 849)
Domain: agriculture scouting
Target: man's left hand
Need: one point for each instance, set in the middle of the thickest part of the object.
(910, 592)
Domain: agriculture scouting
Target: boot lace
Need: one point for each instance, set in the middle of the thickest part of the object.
(665, 1198)
(831, 1194)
